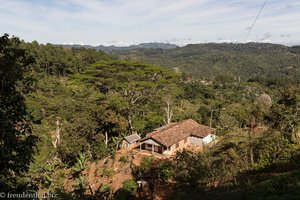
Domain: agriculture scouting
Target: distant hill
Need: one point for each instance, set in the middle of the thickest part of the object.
(151, 45)
(247, 61)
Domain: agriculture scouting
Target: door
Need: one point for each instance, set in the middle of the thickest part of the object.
(159, 149)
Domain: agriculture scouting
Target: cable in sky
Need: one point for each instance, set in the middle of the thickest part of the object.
(262, 7)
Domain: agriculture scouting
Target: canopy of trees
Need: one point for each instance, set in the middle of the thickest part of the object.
(16, 141)
(80, 103)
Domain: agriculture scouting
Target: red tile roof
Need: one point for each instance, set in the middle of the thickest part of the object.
(174, 132)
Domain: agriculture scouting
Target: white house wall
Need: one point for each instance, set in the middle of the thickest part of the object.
(209, 138)
(125, 144)
(170, 150)
(167, 152)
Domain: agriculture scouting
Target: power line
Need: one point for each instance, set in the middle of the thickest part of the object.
(262, 7)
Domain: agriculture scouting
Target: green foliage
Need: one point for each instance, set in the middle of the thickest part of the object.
(275, 149)
(17, 141)
(130, 186)
(99, 149)
(235, 116)
(133, 89)
(270, 64)
(59, 61)
(123, 159)
(82, 183)
(81, 163)
(281, 187)
(107, 172)
(104, 187)
(146, 165)
(166, 170)
(76, 107)
(191, 169)
(93, 100)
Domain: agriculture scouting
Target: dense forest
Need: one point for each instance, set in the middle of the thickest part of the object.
(250, 61)
(64, 109)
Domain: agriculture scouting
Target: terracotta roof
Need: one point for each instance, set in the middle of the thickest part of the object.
(132, 138)
(172, 133)
(201, 131)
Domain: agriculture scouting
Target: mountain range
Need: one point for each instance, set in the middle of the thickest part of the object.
(151, 45)
(208, 60)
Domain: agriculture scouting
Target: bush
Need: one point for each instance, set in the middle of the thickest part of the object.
(130, 186)
(107, 172)
(99, 150)
(104, 187)
(143, 168)
(146, 164)
(166, 170)
(128, 190)
(123, 159)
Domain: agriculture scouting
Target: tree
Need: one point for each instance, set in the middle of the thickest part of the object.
(83, 182)
(16, 141)
(133, 88)
(168, 109)
(285, 114)
(191, 169)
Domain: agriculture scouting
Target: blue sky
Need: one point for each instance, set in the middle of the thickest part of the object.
(125, 22)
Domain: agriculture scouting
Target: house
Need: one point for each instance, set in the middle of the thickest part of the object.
(176, 136)
(130, 141)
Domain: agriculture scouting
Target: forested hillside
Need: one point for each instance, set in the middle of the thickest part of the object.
(251, 61)
(65, 111)
(151, 45)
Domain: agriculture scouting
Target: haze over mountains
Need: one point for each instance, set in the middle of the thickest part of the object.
(162, 45)
(151, 45)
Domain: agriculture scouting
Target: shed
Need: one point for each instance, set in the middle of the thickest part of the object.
(130, 140)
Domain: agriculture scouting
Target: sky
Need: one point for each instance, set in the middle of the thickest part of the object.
(126, 22)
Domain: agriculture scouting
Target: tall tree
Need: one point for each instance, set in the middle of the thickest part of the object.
(16, 141)
(133, 87)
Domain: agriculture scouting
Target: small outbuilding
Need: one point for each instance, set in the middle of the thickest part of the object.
(130, 141)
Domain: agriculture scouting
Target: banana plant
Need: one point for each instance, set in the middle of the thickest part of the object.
(81, 163)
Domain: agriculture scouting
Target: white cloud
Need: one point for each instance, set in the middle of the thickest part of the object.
(124, 22)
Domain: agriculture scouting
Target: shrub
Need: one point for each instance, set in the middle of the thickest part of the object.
(146, 164)
(104, 187)
(130, 186)
(128, 190)
(123, 159)
(166, 170)
(107, 172)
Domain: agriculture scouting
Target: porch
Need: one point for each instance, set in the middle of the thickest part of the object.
(152, 146)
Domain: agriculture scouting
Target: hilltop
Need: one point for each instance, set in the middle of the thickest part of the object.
(150, 45)
(247, 61)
